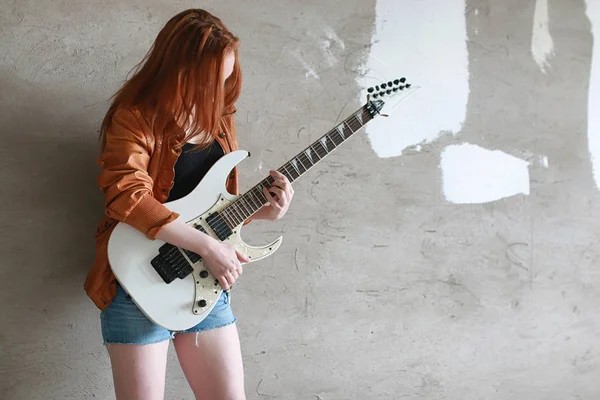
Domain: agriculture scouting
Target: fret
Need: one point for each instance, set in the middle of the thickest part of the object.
(289, 175)
(250, 203)
(295, 167)
(305, 162)
(329, 140)
(232, 212)
(227, 218)
(315, 151)
(269, 181)
(241, 206)
(230, 217)
(236, 209)
(296, 163)
(340, 129)
(308, 153)
(323, 142)
(352, 130)
(336, 138)
(254, 204)
(259, 195)
(246, 208)
(355, 124)
(233, 209)
(359, 117)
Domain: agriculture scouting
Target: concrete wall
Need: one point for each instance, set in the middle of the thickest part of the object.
(388, 284)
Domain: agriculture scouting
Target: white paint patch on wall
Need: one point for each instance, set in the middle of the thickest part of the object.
(425, 41)
(593, 13)
(474, 175)
(542, 45)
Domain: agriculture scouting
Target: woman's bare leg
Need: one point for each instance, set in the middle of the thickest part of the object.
(212, 363)
(139, 370)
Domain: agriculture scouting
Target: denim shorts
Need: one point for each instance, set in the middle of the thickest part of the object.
(123, 322)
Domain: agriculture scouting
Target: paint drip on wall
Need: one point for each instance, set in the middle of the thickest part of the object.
(426, 42)
(473, 175)
(593, 13)
(542, 45)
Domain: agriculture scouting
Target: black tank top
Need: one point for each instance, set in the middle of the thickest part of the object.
(191, 166)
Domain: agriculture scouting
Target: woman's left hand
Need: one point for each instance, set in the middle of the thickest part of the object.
(279, 195)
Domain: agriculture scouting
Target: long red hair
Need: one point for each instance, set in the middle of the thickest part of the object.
(180, 79)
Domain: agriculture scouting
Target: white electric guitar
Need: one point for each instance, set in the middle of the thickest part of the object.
(170, 285)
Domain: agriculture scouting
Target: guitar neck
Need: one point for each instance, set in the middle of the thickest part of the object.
(251, 201)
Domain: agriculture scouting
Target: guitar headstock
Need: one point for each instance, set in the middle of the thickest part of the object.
(389, 95)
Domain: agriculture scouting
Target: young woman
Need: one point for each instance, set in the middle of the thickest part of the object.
(166, 126)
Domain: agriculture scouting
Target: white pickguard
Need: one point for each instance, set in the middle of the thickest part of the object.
(174, 306)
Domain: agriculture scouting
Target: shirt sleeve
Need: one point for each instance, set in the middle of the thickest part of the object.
(124, 177)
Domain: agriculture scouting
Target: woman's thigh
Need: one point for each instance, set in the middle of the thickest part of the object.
(137, 349)
(210, 355)
(212, 363)
(139, 370)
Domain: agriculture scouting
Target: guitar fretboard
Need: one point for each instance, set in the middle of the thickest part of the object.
(251, 201)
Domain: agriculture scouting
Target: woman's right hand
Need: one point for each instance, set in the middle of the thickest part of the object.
(224, 262)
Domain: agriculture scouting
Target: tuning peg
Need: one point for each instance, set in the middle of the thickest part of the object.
(383, 85)
(408, 85)
(397, 81)
(402, 80)
(370, 90)
(382, 94)
(389, 91)
(390, 83)
(376, 95)
(395, 89)
(377, 88)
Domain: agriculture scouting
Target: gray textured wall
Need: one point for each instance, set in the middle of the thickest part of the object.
(382, 289)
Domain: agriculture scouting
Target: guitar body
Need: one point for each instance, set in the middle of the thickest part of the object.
(175, 305)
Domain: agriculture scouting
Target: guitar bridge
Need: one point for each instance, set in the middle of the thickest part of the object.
(171, 264)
